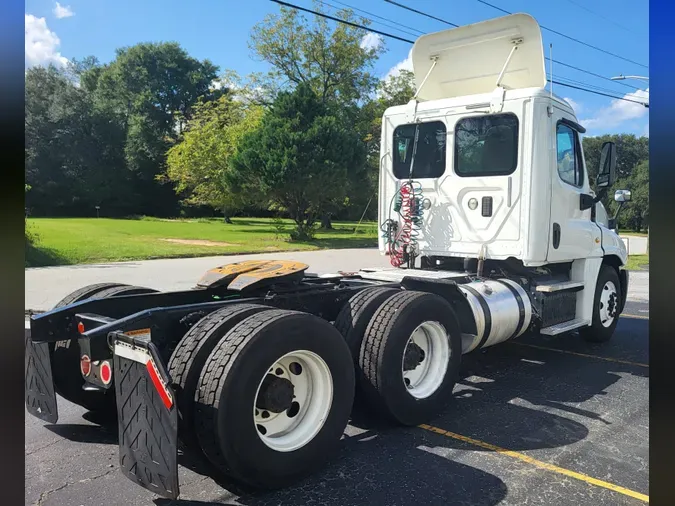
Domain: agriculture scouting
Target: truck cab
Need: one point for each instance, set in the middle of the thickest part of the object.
(498, 158)
(486, 165)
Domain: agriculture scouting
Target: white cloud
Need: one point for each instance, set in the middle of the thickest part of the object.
(41, 43)
(216, 84)
(620, 111)
(61, 11)
(402, 65)
(371, 41)
(574, 104)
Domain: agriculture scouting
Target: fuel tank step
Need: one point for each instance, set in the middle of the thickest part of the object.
(560, 286)
(559, 328)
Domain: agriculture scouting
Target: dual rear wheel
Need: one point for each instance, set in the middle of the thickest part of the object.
(266, 394)
(406, 347)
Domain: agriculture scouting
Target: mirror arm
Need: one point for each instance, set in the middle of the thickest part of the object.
(601, 194)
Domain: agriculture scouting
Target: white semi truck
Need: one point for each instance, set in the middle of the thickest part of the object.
(492, 229)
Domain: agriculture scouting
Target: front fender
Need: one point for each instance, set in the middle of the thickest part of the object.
(613, 245)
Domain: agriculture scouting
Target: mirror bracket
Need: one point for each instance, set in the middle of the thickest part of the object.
(586, 201)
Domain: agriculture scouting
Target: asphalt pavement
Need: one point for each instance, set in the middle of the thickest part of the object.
(539, 421)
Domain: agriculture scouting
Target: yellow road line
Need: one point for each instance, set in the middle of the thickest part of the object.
(538, 463)
(608, 359)
(637, 316)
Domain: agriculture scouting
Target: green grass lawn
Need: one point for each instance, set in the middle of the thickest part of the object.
(632, 232)
(66, 241)
(636, 261)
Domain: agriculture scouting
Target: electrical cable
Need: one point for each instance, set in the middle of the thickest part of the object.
(376, 16)
(566, 36)
(338, 20)
(385, 34)
(328, 4)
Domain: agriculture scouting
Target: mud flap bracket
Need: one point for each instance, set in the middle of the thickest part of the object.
(147, 414)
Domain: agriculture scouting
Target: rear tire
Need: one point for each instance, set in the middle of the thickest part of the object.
(410, 357)
(68, 380)
(356, 314)
(352, 322)
(606, 307)
(230, 412)
(188, 359)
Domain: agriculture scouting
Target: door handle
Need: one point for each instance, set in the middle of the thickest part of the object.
(556, 235)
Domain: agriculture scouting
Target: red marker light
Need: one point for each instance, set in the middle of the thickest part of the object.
(80, 328)
(106, 372)
(85, 365)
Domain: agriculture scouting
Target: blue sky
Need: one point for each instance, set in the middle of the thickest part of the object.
(219, 30)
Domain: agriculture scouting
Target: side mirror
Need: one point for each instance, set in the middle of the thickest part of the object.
(622, 195)
(607, 170)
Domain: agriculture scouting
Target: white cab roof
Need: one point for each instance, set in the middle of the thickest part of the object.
(471, 57)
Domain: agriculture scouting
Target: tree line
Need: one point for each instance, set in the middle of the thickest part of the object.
(159, 132)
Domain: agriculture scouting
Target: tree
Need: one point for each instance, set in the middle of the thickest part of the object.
(197, 164)
(150, 90)
(334, 62)
(630, 151)
(632, 166)
(635, 214)
(69, 162)
(300, 158)
(396, 89)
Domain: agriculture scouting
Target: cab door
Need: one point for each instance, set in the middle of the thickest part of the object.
(572, 234)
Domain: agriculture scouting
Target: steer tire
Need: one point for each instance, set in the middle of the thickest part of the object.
(188, 359)
(597, 332)
(382, 352)
(68, 380)
(224, 417)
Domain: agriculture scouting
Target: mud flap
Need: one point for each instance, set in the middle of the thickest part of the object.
(148, 417)
(39, 383)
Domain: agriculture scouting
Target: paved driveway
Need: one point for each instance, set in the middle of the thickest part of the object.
(540, 421)
(45, 286)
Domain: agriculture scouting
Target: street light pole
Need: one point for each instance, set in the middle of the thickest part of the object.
(622, 77)
(642, 78)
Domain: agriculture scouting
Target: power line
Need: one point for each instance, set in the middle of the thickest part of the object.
(581, 6)
(591, 73)
(563, 35)
(554, 61)
(378, 17)
(646, 104)
(409, 32)
(588, 85)
(422, 13)
(385, 34)
(355, 25)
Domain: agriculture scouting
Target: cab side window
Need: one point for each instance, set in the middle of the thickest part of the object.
(570, 168)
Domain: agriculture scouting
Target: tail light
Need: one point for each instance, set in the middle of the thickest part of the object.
(105, 372)
(85, 365)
